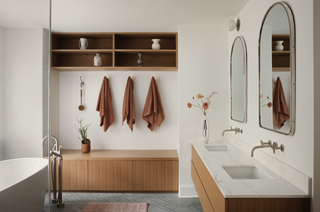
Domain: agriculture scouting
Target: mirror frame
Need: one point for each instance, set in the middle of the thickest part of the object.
(245, 97)
(292, 100)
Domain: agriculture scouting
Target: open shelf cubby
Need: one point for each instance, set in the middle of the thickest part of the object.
(281, 59)
(117, 50)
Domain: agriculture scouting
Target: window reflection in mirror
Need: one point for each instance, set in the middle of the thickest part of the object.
(238, 80)
(277, 70)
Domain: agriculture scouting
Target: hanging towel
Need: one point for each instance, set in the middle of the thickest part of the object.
(280, 109)
(104, 105)
(128, 105)
(153, 111)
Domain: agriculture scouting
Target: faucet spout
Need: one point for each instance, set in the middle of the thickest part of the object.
(258, 147)
(227, 131)
(274, 146)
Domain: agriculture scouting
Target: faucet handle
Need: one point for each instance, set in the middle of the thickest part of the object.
(275, 146)
(265, 143)
(237, 130)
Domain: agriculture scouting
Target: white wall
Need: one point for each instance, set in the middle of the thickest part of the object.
(117, 136)
(316, 166)
(1, 93)
(203, 68)
(299, 147)
(23, 92)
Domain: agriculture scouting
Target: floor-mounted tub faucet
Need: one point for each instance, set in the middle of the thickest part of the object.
(274, 146)
(236, 130)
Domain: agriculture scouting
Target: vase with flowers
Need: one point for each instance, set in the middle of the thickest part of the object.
(203, 104)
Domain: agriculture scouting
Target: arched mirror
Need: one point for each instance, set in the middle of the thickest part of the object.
(238, 80)
(277, 70)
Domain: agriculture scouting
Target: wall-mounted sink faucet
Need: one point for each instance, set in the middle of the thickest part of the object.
(274, 146)
(236, 130)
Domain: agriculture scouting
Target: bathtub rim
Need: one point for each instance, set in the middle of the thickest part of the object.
(19, 181)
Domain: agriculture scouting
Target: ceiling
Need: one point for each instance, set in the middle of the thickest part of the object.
(117, 15)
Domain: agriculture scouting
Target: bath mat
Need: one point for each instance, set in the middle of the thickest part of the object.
(116, 207)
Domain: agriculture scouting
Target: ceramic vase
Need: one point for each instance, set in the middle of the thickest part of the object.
(85, 148)
(205, 130)
(97, 60)
(156, 44)
(83, 43)
(139, 61)
(279, 46)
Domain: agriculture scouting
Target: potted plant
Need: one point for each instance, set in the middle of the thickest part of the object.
(83, 130)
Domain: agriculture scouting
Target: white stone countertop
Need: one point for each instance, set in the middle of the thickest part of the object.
(275, 187)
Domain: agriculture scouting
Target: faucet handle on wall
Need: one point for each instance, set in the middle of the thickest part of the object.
(266, 143)
(275, 147)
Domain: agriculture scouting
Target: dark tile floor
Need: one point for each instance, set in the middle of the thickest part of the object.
(158, 202)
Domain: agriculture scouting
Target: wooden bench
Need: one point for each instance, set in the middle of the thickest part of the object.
(120, 170)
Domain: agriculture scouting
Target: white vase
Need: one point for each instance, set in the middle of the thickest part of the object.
(83, 43)
(279, 46)
(156, 44)
(97, 61)
(205, 130)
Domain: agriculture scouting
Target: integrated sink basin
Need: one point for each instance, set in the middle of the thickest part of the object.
(245, 172)
(213, 148)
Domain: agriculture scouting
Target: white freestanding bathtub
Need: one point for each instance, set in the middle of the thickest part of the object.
(23, 184)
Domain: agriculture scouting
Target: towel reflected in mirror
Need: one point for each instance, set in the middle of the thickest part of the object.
(280, 108)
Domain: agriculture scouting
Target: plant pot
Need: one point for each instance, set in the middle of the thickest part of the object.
(85, 148)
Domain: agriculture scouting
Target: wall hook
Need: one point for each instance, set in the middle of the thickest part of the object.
(81, 82)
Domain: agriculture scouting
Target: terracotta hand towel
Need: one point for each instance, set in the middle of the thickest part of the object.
(280, 109)
(153, 111)
(128, 105)
(104, 105)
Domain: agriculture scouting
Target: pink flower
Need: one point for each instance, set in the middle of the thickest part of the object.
(269, 104)
(205, 105)
(189, 105)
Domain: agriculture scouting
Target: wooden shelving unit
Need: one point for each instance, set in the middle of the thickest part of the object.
(119, 51)
(281, 59)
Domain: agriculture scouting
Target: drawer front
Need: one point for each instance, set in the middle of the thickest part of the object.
(198, 164)
(205, 203)
(196, 181)
(219, 203)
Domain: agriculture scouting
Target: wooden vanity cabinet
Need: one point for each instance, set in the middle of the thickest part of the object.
(207, 189)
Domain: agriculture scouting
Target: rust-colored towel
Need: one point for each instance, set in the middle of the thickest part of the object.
(280, 109)
(128, 105)
(153, 111)
(104, 105)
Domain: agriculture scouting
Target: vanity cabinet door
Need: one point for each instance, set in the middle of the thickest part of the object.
(156, 176)
(110, 175)
(75, 175)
